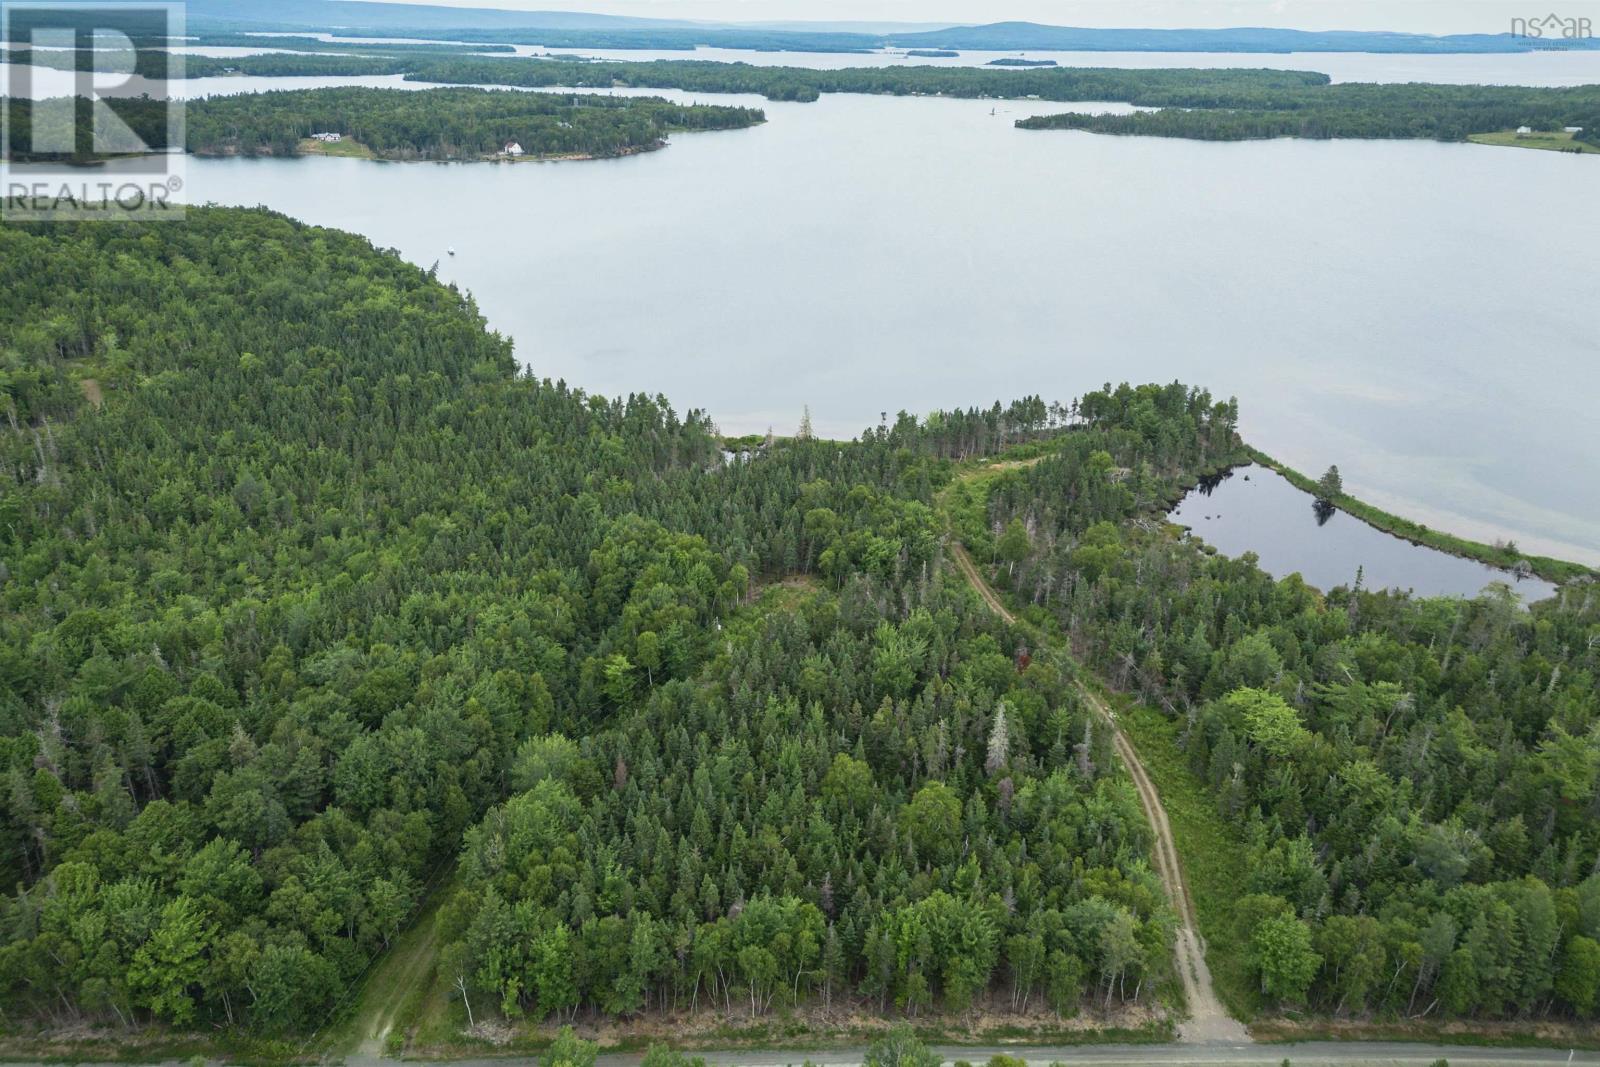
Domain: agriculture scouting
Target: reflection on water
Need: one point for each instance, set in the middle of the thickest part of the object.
(1253, 509)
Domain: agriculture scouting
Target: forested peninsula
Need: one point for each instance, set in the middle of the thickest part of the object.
(398, 124)
(1431, 112)
(322, 625)
(1152, 87)
(1217, 104)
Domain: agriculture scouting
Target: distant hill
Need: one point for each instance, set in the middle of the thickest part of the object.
(617, 31)
(359, 14)
(1031, 36)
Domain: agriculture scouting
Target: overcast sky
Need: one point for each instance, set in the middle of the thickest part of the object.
(1419, 16)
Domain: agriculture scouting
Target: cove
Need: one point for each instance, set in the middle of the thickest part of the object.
(1254, 509)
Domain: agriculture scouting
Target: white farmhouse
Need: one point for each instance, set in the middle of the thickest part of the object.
(513, 149)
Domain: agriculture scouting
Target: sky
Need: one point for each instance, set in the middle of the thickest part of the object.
(1416, 16)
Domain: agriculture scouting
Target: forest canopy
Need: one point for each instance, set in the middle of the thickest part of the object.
(1431, 112)
(399, 124)
(314, 606)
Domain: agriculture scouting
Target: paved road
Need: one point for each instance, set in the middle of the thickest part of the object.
(1308, 1054)
(1343, 1054)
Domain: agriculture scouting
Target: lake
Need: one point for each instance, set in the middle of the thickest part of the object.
(1254, 509)
(1421, 314)
(1506, 68)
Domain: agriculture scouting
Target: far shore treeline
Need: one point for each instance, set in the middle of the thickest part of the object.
(441, 124)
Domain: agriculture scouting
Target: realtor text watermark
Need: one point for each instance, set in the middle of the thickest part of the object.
(89, 130)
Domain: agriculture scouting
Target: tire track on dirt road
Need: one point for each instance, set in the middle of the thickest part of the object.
(1208, 1022)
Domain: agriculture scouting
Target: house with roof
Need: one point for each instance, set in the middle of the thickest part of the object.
(512, 148)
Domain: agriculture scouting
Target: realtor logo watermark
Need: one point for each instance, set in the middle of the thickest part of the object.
(88, 129)
(1554, 27)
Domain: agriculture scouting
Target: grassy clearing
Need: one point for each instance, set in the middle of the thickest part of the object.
(395, 992)
(965, 498)
(1546, 141)
(345, 149)
(1213, 857)
(1506, 556)
(152, 1045)
(1480, 1033)
(797, 1032)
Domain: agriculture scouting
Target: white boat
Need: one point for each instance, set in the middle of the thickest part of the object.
(451, 250)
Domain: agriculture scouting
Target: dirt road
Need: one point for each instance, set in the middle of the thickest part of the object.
(403, 971)
(1208, 1022)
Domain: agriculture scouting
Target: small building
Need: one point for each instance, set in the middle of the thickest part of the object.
(1524, 129)
(328, 138)
(1572, 129)
(513, 149)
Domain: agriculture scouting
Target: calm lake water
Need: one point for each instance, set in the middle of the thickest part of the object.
(1421, 314)
(1254, 509)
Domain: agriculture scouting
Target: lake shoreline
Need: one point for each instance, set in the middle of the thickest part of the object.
(1557, 571)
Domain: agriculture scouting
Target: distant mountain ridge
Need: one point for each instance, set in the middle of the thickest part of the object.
(1025, 36)
(623, 31)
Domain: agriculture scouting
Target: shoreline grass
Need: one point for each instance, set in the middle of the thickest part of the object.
(1506, 557)
(1547, 141)
(344, 149)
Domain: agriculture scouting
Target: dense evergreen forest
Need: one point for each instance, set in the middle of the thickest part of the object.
(436, 124)
(307, 592)
(309, 598)
(1218, 104)
(449, 123)
(1432, 112)
(1416, 779)
(1154, 87)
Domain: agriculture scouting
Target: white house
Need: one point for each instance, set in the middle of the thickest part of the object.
(1524, 129)
(328, 138)
(1572, 129)
(513, 149)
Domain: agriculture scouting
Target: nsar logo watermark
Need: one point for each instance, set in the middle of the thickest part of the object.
(1553, 27)
(89, 130)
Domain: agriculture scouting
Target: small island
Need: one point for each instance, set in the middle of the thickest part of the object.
(1014, 61)
(933, 53)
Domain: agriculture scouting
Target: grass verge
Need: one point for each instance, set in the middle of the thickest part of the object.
(1543, 140)
(1213, 856)
(1514, 1033)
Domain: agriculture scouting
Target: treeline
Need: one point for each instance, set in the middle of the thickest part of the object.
(1156, 87)
(1429, 112)
(302, 584)
(441, 124)
(798, 83)
(1415, 780)
(377, 47)
(448, 123)
(841, 808)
